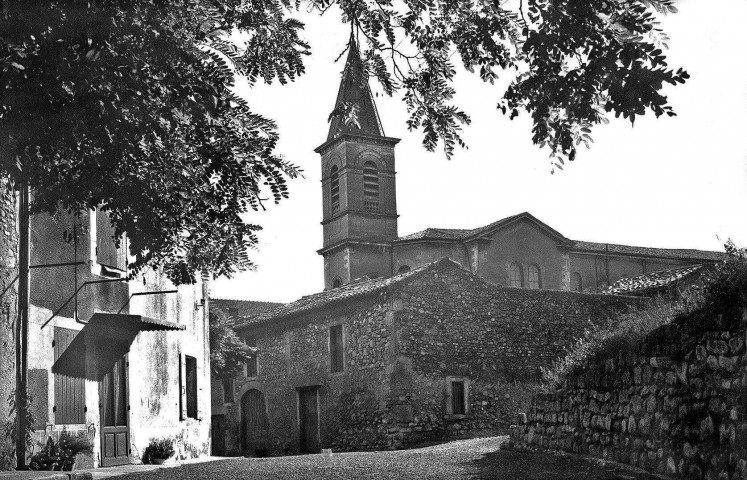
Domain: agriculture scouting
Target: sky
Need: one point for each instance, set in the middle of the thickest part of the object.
(672, 182)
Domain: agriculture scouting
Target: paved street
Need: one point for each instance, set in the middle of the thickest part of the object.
(477, 458)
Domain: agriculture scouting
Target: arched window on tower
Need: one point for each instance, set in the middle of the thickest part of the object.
(535, 278)
(516, 275)
(403, 269)
(576, 285)
(334, 188)
(336, 283)
(370, 186)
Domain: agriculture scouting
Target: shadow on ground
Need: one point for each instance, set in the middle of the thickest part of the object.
(507, 464)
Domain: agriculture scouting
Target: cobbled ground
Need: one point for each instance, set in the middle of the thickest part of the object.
(475, 458)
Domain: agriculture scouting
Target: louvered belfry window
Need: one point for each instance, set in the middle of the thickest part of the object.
(334, 189)
(370, 186)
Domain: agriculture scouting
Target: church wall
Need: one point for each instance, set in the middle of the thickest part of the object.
(336, 267)
(370, 261)
(593, 268)
(523, 243)
(415, 255)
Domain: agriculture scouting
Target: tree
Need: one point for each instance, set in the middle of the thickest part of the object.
(228, 352)
(127, 105)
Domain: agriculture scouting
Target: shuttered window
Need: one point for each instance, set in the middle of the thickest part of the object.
(336, 356)
(69, 392)
(227, 390)
(107, 253)
(458, 405)
(191, 386)
(370, 186)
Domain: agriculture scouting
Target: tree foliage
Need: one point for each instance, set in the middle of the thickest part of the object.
(128, 105)
(228, 352)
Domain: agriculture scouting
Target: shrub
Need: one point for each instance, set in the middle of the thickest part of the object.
(721, 290)
(70, 446)
(158, 449)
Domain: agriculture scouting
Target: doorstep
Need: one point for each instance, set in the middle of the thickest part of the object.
(99, 473)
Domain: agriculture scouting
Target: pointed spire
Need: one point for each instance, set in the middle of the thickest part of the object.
(354, 93)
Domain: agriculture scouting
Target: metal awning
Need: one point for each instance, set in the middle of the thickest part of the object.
(103, 340)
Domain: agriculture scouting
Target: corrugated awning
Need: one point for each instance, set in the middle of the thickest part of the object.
(103, 340)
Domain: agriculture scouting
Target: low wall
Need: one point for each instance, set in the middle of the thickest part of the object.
(674, 406)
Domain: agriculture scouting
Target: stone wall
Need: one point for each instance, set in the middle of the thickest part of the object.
(675, 405)
(8, 305)
(402, 347)
(453, 324)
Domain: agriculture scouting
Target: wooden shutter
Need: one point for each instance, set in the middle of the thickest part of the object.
(106, 252)
(69, 392)
(182, 387)
(457, 397)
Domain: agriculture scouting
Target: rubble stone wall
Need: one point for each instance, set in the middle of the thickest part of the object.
(8, 305)
(674, 406)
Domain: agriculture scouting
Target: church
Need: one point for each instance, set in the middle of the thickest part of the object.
(419, 337)
(360, 221)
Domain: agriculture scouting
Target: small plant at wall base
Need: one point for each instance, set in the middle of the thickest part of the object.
(158, 450)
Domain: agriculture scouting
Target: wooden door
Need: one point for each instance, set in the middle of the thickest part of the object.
(218, 434)
(254, 423)
(308, 415)
(115, 430)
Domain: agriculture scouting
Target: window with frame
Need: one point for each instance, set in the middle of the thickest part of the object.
(191, 385)
(334, 188)
(69, 392)
(457, 395)
(535, 277)
(228, 390)
(251, 365)
(336, 349)
(370, 186)
(516, 275)
(576, 284)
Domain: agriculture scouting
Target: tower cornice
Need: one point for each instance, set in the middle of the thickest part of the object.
(368, 139)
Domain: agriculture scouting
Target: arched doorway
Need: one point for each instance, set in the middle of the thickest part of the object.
(253, 424)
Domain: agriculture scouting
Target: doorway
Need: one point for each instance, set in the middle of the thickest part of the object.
(254, 425)
(115, 429)
(308, 419)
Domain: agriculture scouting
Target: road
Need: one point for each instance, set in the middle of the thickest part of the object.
(475, 458)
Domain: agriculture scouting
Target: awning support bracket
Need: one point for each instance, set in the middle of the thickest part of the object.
(90, 282)
(145, 293)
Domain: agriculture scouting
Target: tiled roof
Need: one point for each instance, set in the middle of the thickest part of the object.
(354, 90)
(650, 282)
(464, 234)
(680, 254)
(437, 234)
(245, 309)
(344, 293)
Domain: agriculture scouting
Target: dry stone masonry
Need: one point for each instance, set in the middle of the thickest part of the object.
(675, 406)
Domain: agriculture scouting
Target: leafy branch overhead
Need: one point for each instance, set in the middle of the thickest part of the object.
(129, 105)
(572, 62)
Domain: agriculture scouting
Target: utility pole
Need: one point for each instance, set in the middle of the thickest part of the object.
(23, 323)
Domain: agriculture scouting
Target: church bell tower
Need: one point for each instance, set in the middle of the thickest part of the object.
(358, 186)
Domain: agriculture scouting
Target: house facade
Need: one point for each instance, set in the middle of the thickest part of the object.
(118, 361)
(433, 353)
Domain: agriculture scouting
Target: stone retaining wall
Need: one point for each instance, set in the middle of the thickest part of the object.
(675, 406)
